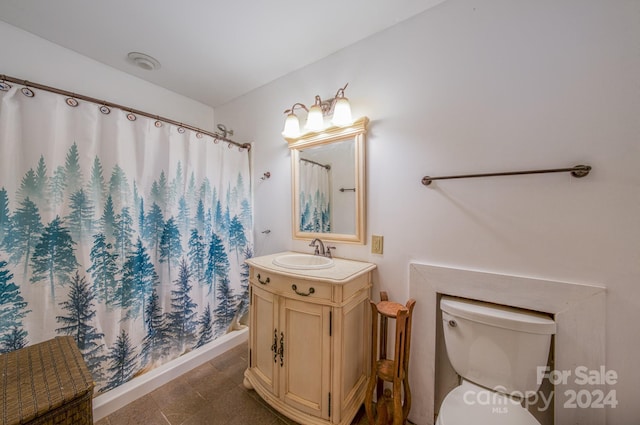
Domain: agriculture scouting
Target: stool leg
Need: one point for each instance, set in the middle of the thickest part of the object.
(384, 342)
(368, 401)
(407, 398)
(398, 416)
(384, 321)
(399, 376)
(407, 391)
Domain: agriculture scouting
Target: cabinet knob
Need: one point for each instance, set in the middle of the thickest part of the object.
(264, 282)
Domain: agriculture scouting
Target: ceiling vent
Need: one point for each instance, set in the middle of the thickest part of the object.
(143, 61)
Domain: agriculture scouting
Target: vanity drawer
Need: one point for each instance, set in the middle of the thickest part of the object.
(291, 287)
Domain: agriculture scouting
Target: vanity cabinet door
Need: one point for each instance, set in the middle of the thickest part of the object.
(305, 378)
(265, 361)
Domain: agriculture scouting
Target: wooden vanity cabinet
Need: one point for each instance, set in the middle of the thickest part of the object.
(309, 338)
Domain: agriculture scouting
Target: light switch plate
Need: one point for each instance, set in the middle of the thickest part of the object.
(377, 244)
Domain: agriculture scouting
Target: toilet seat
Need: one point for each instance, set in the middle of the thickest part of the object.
(472, 404)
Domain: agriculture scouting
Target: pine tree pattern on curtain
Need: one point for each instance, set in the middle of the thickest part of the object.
(127, 233)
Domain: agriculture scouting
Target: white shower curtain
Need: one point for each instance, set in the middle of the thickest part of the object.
(126, 232)
(315, 197)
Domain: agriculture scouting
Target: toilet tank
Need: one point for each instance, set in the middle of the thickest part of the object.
(497, 347)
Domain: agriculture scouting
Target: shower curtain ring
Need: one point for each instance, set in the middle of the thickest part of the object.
(4, 86)
(27, 91)
(72, 101)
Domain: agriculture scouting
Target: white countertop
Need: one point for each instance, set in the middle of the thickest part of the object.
(342, 270)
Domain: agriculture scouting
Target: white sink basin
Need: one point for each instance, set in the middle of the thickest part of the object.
(303, 261)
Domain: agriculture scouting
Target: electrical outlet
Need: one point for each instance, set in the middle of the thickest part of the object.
(377, 244)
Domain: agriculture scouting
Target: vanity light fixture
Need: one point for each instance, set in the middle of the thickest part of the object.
(292, 123)
(315, 117)
(341, 110)
(338, 107)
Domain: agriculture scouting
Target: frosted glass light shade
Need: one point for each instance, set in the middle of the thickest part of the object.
(291, 126)
(315, 120)
(342, 113)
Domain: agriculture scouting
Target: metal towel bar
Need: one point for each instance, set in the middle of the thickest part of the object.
(577, 171)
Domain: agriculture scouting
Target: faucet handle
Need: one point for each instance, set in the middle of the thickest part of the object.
(328, 251)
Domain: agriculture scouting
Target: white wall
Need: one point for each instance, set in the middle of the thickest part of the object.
(28, 57)
(486, 86)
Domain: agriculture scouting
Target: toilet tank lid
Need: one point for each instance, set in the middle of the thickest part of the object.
(499, 315)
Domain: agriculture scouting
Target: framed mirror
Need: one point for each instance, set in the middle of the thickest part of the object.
(328, 184)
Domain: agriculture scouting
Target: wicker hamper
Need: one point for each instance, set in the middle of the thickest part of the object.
(46, 383)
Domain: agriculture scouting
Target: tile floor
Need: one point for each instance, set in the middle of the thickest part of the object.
(210, 394)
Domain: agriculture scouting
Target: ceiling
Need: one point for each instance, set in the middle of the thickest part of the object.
(212, 51)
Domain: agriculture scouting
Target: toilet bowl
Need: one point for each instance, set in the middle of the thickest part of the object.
(496, 351)
(472, 404)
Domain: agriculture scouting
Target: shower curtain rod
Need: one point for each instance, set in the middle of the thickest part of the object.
(30, 84)
(328, 167)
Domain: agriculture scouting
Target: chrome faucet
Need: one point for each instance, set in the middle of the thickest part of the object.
(319, 247)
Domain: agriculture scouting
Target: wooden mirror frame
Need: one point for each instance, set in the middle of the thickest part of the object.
(356, 131)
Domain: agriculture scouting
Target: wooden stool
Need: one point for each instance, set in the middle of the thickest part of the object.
(391, 370)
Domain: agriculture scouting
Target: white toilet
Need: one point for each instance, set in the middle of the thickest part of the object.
(496, 351)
